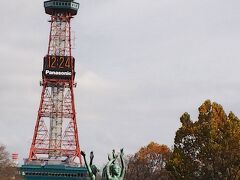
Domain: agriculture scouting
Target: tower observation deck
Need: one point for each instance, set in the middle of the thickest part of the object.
(61, 6)
(55, 144)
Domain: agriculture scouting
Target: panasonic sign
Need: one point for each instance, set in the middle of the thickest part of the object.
(58, 73)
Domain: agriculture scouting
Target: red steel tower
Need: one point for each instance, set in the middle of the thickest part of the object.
(56, 134)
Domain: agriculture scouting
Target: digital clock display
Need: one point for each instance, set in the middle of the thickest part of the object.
(58, 67)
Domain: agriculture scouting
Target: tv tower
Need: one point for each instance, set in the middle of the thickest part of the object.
(55, 150)
(56, 134)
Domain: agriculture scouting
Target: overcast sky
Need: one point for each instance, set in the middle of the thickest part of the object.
(140, 65)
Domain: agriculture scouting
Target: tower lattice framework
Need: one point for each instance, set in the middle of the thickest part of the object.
(56, 133)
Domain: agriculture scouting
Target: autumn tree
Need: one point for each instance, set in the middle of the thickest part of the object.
(7, 169)
(148, 163)
(208, 148)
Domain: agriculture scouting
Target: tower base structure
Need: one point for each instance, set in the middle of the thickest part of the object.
(53, 172)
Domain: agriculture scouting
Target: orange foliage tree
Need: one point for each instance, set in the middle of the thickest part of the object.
(149, 163)
(208, 148)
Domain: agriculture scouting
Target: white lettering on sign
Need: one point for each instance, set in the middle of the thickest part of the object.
(58, 73)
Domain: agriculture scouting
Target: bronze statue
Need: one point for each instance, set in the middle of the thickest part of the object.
(112, 171)
(92, 169)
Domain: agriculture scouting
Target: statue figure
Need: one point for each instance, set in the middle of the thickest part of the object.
(112, 171)
(92, 169)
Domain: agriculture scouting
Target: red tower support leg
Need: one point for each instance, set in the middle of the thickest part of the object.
(68, 146)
